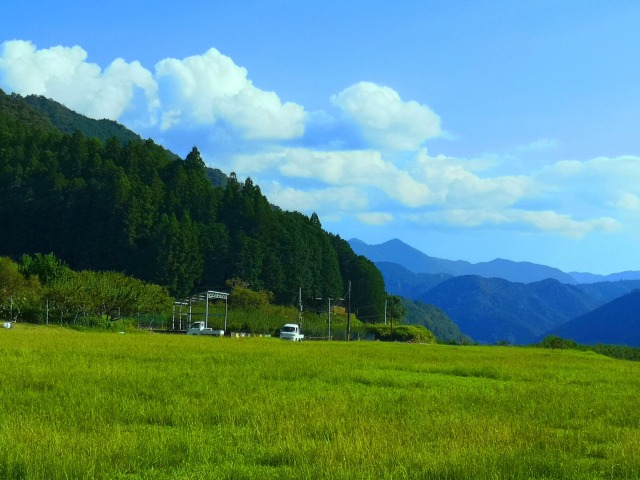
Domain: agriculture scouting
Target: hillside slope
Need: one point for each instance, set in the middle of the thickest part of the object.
(435, 320)
(491, 310)
(134, 208)
(617, 322)
(404, 283)
(68, 121)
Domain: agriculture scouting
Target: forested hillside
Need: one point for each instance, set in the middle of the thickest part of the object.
(136, 209)
(68, 121)
(494, 310)
(616, 322)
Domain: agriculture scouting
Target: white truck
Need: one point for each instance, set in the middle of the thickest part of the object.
(199, 328)
(291, 331)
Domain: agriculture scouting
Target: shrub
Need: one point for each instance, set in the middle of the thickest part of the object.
(401, 333)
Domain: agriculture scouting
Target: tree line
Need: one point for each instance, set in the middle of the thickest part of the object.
(43, 289)
(139, 210)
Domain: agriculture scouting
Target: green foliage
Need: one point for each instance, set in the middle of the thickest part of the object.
(402, 333)
(244, 298)
(434, 320)
(18, 295)
(68, 121)
(117, 203)
(47, 267)
(51, 291)
(368, 292)
(89, 295)
(396, 311)
(622, 352)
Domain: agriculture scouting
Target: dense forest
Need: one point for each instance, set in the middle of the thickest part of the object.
(128, 205)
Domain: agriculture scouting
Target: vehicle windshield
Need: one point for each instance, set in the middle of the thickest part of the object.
(288, 329)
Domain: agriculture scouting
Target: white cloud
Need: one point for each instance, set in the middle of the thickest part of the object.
(375, 218)
(593, 185)
(333, 199)
(564, 224)
(570, 198)
(198, 90)
(539, 145)
(203, 89)
(363, 169)
(452, 182)
(627, 201)
(548, 221)
(63, 74)
(385, 119)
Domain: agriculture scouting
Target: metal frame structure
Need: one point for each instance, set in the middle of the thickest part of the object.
(182, 319)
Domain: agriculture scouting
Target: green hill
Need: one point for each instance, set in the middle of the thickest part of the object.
(104, 202)
(617, 323)
(68, 121)
(434, 320)
(492, 310)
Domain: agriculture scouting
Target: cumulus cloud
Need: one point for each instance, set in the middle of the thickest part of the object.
(398, 180)
(594, 185)
(385, 119)
(333, 199)
(64, 74)
(452, 181)
(196, 91)
(206, 88)
(363, 169)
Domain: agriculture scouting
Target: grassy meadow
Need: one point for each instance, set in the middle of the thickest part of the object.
(125, 406)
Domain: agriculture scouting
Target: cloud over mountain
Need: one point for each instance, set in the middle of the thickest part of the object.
(198, 90)
(203, 89)
(385, 119)
(384, 179)
(63, 73)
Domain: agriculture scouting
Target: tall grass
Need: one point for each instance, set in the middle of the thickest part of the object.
(106, 405)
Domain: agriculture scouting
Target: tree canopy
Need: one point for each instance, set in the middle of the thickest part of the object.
(134, 208)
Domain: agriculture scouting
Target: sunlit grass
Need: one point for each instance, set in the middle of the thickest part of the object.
(107, 405)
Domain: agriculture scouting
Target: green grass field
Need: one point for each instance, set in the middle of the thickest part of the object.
(107, 405)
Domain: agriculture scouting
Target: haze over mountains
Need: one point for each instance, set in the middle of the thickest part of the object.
(516, 302)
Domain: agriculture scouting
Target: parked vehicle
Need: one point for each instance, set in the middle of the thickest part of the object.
(291, 331)
(199, 328)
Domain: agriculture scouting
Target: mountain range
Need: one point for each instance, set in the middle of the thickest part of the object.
(515, 302)
(100, 197)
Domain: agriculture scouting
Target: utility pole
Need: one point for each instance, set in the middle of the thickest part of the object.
(329, 332)
(349, 312)
(329, 338)
(300, 307)
(385, 312)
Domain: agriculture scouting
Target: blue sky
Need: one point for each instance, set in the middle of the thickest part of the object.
(469, 130)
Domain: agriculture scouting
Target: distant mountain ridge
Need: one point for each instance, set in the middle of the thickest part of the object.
(414, 260)
(494, 309)
(516, 302)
